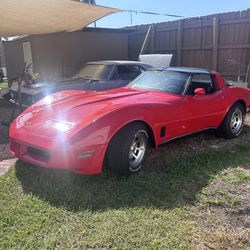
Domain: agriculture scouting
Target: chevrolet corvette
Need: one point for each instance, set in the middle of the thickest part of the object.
(85, 131)
(98, 76)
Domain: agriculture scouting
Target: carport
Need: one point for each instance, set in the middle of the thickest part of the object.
(47, 16)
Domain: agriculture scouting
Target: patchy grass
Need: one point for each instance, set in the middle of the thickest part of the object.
(218, 198)
(170, 208)
(242, 175)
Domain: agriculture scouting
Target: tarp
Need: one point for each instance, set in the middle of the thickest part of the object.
(27, 17)
(157, 60)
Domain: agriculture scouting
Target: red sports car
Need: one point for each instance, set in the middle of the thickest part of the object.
(82, 131)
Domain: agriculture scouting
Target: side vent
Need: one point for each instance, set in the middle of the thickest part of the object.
(163, 131)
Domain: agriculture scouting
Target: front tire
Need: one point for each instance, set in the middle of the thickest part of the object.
(127, 149)
(233, 123)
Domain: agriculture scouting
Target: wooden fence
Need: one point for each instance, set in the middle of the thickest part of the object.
(220, 42)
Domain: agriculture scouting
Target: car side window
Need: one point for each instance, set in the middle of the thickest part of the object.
(128, 72)
(200, 81)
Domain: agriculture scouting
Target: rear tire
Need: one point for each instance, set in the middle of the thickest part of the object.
(127, 149)
(233, 123)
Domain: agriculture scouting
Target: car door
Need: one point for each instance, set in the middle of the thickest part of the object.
(201, 112)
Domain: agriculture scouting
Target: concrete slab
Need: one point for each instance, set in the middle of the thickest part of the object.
(5, 165)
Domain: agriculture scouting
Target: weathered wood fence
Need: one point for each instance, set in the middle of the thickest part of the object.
(220, 42)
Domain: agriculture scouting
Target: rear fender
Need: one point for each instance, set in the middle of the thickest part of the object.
(230, 106)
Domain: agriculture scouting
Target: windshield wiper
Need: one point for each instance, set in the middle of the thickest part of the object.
(81, 77)
(85, 78)
(89, 78)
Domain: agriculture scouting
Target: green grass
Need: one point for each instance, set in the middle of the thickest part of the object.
(3, 85)
(241, 175)
(223, 199)
(47, 209)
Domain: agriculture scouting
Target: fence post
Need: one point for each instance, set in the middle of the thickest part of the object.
(215, 43)
(179, 43)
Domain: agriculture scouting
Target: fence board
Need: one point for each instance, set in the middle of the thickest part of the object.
(220, 41)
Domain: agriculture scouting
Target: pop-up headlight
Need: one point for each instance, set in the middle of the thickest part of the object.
(63, 126)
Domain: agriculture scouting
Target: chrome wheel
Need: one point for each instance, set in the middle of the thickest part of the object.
(137, 150)
(236, 121)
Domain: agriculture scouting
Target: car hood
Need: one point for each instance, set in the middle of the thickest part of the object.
(69, 100)
(71, 106)
(47, 87)
(76, 110)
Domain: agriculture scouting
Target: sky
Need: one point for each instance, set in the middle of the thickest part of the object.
(186, 8)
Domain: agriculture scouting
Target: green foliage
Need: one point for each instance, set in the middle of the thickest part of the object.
(3, 85)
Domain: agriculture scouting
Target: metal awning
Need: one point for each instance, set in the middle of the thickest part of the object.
(27, 17)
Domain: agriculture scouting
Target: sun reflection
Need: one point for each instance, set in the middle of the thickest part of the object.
(63, 126)
(48, 99)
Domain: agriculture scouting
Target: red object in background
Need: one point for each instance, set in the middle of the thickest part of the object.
(72, 129)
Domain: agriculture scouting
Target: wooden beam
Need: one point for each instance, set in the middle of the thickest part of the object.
(240, 20)
(165, 49)
(215, 43)
(179, 43)
(166, 28)
(198, 48)
(145, 39)
(238, 46)
(227, 73)
(195, 25)
(152, 39)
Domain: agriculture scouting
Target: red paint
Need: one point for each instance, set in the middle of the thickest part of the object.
(94, 117)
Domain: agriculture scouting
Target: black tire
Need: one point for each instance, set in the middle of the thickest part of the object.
(228, 130)
(121, 152)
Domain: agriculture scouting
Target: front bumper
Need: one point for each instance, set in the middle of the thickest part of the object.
(84, 161)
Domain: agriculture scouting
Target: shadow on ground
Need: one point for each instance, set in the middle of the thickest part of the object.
(170, 181)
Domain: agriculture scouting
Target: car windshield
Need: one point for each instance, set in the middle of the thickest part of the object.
(94, 71)
(165, 81)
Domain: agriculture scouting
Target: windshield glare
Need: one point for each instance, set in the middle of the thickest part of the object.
(95, 71)
(165, 81)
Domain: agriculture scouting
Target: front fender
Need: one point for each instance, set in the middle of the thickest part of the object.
(101, 131)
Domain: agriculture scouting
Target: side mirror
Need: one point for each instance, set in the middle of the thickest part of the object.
(199, 91)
